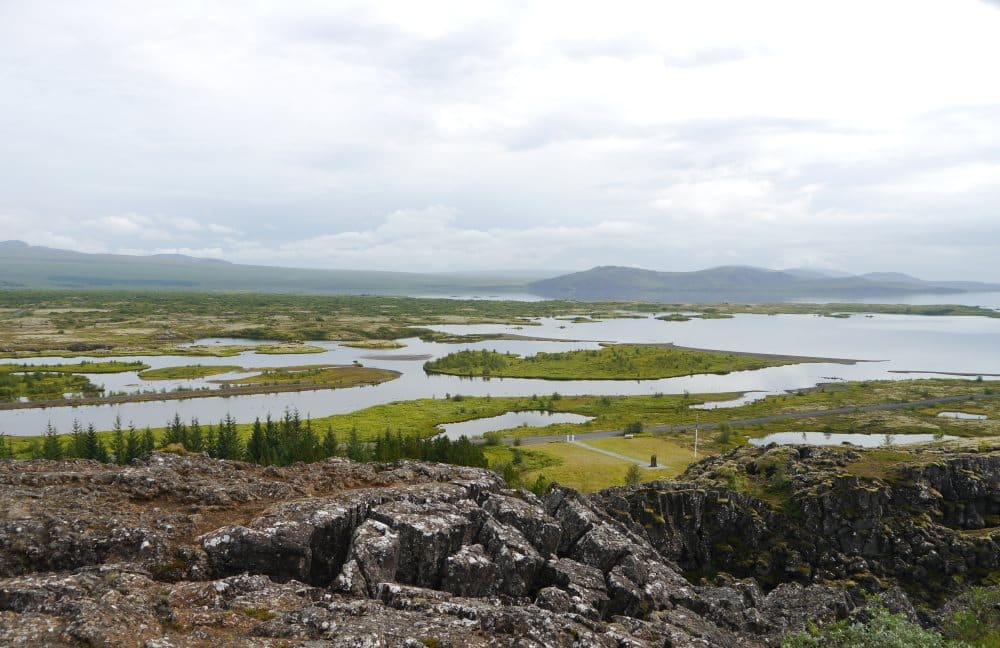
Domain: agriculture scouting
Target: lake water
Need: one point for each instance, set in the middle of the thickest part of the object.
(887, 343)
(963, 416)
(862, 440)
(480, 426)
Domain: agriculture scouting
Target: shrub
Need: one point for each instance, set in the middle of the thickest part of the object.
(884, 630)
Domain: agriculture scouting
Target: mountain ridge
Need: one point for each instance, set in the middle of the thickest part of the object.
(737, 283)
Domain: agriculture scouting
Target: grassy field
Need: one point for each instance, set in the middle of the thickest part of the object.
(280, 349)
(77, 367)
(324, 375)
(186, 371)
(572, 465)
(583, 468)
(109, 322)
(612, 362)
(43, 386)
(374, 344)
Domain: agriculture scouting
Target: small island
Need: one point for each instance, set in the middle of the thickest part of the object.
(611, 362)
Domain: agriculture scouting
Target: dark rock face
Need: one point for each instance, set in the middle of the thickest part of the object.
(909, 525)
(176, 551)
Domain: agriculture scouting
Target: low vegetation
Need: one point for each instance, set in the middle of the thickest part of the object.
(324, 375)
(611, 362)
(110, 322)
(38, 386)
(666, 419)
(85, 367)
(186, 371)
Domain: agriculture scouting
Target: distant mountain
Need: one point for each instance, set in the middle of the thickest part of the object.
(815, 273)
(29, 266)
(738, 284)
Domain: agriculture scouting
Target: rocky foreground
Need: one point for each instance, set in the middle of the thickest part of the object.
(190, 551)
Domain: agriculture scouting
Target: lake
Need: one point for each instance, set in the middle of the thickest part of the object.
(887, 343)
(510, 420)
(836, 438)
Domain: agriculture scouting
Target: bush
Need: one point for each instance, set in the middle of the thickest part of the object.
(884, 630)
(979, 621)
(633, 476)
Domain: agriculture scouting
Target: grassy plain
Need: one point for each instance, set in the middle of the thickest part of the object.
(111, 322)
(86, 367)
(287, 348)
(580, 467)
(326, 375)
(186, 371)
(612, 362)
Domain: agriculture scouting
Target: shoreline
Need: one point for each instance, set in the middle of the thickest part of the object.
(243, 390)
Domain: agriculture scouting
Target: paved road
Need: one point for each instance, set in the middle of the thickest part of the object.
(756, 421)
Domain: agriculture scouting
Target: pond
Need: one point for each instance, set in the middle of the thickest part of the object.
(965, 416)
(834, 438)
(885, 343)
(510, 420)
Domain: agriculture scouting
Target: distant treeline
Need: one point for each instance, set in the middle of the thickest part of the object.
(280, 442)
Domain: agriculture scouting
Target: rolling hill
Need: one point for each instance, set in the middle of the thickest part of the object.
(738, 284)
(28, 266)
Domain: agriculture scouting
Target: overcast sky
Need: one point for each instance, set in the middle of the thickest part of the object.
(462, 135)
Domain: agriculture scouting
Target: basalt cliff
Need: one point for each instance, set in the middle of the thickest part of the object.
(184, 550)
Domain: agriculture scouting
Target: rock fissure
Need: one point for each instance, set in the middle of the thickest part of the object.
(411, 552)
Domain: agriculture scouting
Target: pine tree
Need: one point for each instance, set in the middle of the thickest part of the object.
(148, 441)
(331, 447)
(176, 432)
(256, 448)
(78, 441)
(227, 442)
(196, 440)
(355, 449)
(133, 444)
(51, 446)
(94, 447)
(118, 442)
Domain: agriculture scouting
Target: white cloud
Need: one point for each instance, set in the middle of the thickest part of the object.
(546, 134)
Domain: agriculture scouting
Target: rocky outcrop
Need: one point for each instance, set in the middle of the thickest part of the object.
(930, 522)
(186, 550)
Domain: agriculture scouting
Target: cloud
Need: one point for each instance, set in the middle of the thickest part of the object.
(454, 135)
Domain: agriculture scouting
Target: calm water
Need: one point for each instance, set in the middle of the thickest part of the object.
(480, 426)
(863, 440)
(886, 342)
(962, 415)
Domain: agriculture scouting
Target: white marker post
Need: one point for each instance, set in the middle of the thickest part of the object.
(696, 436)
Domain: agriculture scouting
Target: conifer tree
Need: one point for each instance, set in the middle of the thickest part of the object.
(51, 446)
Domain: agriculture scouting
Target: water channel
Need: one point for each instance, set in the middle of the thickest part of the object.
(930, 346)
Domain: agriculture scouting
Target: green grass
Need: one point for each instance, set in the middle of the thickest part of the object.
(373, 344)
(43, 386)
(66, 323)
(187, 371)
(612, 362)
(85, 366)
(580, 468)
(338, 376)
(588, 470)
(280, 349)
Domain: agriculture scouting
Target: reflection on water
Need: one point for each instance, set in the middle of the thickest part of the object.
(480, 426)
(962, 415)
(834, 438)
(957, 344)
